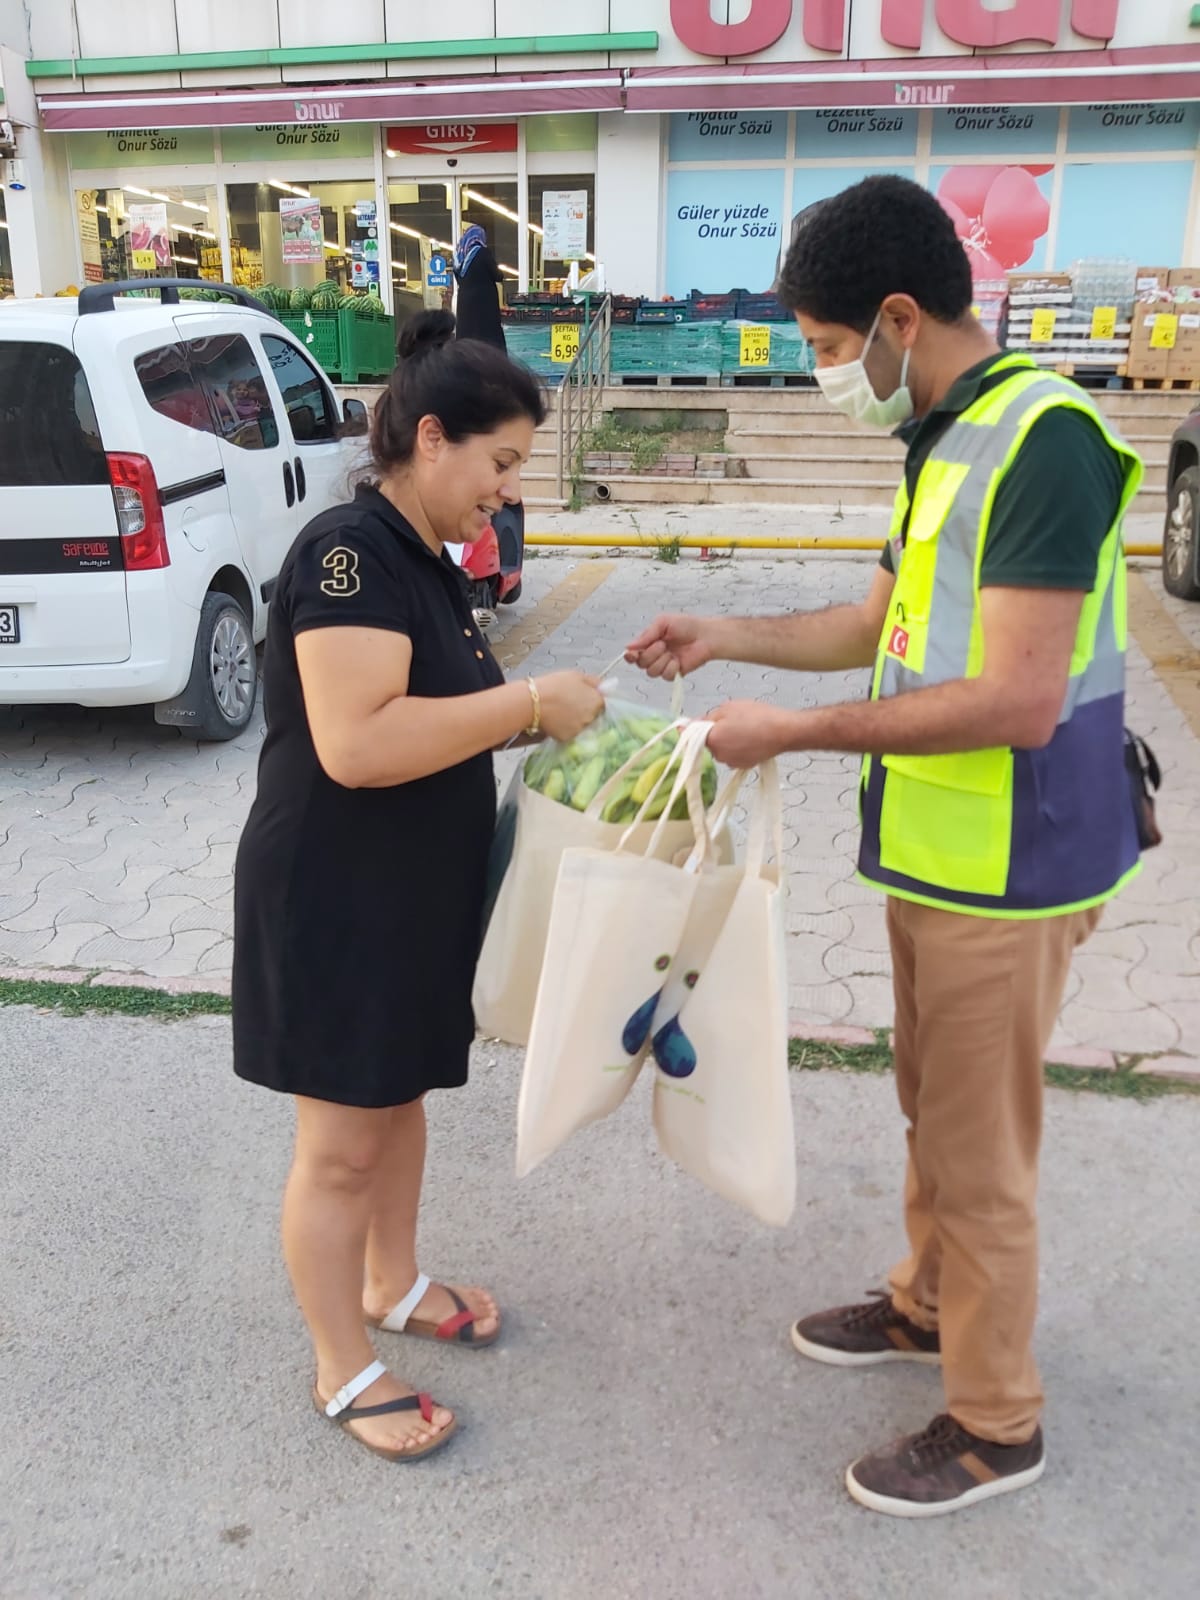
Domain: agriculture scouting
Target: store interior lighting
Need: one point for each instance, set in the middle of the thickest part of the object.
(187, 261)
(289, 188)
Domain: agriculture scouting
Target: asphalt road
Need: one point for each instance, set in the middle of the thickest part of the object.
(644, 1432)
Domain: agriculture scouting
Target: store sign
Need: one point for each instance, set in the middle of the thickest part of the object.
(141, 147)
(303, 230)
(564, 224)
(728, 135)
(314, 140)
(977, 24)
(89, 236)
(451, 138)
(149, 238)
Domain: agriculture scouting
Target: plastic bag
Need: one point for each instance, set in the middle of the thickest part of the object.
(574, 774)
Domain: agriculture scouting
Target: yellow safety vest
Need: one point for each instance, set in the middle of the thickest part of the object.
(999, 832)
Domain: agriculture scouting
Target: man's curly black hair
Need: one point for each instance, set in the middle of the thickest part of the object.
(885, 235)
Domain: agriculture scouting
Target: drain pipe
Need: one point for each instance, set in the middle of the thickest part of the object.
(715, 541)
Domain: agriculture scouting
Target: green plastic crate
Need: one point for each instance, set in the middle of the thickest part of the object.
(319, 332)
(368, 345)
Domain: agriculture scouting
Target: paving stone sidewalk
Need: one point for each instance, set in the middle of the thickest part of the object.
(117, 837)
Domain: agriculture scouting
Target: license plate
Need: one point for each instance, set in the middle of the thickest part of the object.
(10, 625)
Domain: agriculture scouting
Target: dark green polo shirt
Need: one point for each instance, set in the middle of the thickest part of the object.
(1054, 506)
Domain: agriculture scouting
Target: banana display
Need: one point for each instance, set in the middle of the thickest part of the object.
(573, 774)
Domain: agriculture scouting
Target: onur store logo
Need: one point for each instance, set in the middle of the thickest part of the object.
(977, 24)
(319, 110)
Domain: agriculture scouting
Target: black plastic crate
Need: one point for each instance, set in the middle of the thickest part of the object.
(714, 307)
(760, 308)
(664, 311)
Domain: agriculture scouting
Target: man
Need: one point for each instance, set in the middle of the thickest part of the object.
(995, 811)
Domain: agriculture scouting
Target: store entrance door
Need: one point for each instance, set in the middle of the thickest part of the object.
(427, 218)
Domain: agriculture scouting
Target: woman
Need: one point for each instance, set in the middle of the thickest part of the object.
(361, 872)
(477, 274)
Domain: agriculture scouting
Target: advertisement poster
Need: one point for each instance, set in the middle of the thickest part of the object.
(303, 231)
(564, 224)
(149, 237)
(89, 237)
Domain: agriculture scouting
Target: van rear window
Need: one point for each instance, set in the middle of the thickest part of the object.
(48, 428)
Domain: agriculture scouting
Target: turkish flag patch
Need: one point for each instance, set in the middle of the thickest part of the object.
(898, 643)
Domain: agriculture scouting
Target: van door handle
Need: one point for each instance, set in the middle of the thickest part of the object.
(289, 484)
(301, 483)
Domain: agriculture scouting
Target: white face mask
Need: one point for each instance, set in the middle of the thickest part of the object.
(849, 390)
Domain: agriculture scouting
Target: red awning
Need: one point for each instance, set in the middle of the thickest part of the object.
(1066, 77)
(393, 100)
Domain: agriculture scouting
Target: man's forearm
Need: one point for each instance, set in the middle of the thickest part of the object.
(832, 640)
(967, 714)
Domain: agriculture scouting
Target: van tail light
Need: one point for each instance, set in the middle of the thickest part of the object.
(139, 512)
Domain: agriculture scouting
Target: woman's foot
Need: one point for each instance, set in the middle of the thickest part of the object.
(404, 1431)
(437, 1306)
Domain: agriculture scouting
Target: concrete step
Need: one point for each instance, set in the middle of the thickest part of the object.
(805, 443)
(848, 470)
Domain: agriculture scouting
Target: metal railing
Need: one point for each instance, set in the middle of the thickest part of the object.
(581, 394)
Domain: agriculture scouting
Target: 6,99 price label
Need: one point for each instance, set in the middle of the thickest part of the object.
(755, 347)
(564, 342)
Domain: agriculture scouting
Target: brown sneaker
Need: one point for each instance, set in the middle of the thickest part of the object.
(944, 1468)
(864, 1335)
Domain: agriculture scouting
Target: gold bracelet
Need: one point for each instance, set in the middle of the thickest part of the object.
(535, 727)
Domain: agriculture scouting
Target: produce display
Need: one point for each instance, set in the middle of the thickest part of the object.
(573, 774)
(326, 296)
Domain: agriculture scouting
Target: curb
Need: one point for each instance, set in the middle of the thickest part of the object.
(1173, 1067)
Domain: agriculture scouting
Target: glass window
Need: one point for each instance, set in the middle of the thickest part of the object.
(171, 388)
(133, 232)
(299, 235)
(309, 408)
(237, 393)
(547, 271)
(48, 428)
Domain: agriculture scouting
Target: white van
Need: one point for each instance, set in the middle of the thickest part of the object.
(157, 459)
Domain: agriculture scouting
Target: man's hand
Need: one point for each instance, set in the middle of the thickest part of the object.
(747, 732)
(671, 646)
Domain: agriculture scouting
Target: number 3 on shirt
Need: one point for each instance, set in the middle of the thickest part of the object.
(343, 564)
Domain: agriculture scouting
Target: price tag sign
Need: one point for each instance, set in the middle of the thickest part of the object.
(1163, 334)
(754, 347)
(564, 342)
(144, 260)
(1104, 322)
(1043, 327)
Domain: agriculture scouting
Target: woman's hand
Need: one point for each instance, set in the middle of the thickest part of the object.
(571, 702)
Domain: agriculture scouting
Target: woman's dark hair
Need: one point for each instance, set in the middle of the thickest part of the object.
(883, 236)
(470, 387)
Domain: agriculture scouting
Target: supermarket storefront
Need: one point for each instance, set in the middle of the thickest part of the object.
(375, 207)
(675, 153)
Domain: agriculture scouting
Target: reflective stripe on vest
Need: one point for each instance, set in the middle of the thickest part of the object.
(999, 831)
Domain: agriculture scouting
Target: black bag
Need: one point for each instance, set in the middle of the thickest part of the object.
(1145, 780)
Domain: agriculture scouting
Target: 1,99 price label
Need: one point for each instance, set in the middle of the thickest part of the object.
(755, 347)
(564, 342)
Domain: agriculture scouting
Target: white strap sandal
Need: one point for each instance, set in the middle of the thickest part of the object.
(342, 1411)
(459, 1328)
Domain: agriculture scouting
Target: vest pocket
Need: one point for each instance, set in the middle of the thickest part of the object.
(947, 820)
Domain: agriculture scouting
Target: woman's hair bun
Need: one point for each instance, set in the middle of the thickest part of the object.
(428, 330)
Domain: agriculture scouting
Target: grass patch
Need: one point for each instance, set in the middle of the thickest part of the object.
(668, 550)
(78, 999)
(647, 442)
(1121, 1083)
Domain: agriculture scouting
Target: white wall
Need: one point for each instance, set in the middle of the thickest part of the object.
(104, 28)
(629, 178)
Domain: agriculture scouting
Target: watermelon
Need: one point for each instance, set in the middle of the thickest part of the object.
(300, 299)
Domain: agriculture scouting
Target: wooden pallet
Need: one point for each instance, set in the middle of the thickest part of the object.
(1181, 385)
(664, 380)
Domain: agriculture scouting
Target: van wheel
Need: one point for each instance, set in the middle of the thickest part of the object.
(513, 595)
(1181, 536)
(224, 679)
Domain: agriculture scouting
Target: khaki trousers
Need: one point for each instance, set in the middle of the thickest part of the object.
(976, 1002)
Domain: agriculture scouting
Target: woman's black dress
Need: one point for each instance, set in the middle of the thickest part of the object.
(357, 911)
(478, 310)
